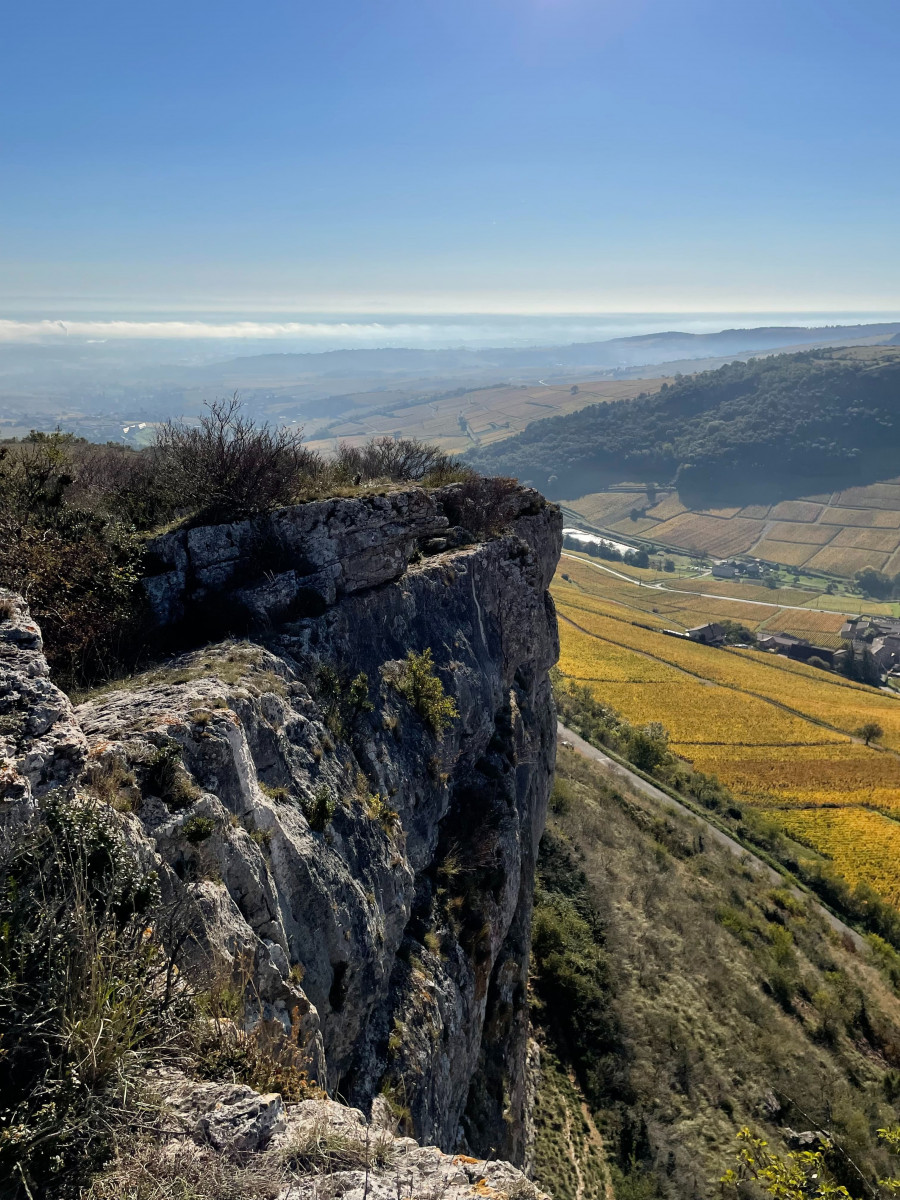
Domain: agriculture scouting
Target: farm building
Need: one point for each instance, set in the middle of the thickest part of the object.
(726, 570)
(868, 628)
(799, 648)
(712, 634)
(886, 652)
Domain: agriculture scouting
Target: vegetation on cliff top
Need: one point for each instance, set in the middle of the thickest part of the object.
(75, 517)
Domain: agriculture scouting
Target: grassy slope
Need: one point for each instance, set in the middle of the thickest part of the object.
(690, 998)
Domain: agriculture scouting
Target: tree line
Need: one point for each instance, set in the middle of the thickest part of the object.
(762, 430)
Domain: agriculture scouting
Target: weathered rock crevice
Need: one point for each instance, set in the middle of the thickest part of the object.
(372, 876)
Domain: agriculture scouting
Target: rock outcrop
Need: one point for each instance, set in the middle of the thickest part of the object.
(41, 744)
(364, 859)
(312, 1149)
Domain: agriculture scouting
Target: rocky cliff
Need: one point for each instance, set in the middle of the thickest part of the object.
(344, 803)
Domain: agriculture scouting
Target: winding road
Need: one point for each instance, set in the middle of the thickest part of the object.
(636, 783)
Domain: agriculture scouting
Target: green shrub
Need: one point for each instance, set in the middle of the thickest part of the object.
(281, 795)
(343, 700)
(165, 776)
(561, 796)
(261, 837)
(320, 809)
(379, 810)
(418, 683)
(198, 829)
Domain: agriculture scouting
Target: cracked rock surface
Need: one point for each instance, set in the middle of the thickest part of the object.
(369, 876)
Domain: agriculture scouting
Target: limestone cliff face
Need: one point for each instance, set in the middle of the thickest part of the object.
(372, 876)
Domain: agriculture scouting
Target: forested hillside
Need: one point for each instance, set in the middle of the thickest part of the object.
(767, 429)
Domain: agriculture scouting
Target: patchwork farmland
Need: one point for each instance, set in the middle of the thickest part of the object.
(835, 534)
(780, 734)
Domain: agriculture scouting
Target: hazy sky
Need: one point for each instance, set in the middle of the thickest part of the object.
(450, 155)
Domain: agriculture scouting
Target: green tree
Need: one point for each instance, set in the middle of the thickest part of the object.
(875, 583)
(800, 1175)
(648, 747)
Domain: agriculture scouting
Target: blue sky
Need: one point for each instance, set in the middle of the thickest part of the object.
(450, 156)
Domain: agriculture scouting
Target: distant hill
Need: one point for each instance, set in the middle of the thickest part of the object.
(640, 350)
(766, 429)
(115, 389)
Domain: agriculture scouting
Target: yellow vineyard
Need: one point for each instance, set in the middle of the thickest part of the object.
(837, 534)
(779, 733)
(864, 845)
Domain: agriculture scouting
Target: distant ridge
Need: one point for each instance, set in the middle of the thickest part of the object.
(624, 352)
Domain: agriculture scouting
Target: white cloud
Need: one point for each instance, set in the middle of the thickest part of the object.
(97, 331)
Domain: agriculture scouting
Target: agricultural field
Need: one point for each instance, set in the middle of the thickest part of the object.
(461, 421)
(864, 845)
(837, 534)
(683, 603)
(777, 732)
(833, 776)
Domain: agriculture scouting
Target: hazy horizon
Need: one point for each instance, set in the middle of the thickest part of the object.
(314, 332)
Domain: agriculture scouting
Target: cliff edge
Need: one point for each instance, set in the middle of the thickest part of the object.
(343, 803)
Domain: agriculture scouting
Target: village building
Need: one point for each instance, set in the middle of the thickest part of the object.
(712, 634)
(886, 652)
(726, 570)
(799, 648)
(866, 629)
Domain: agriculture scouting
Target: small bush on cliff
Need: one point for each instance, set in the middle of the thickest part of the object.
(418, 682)
(344, 700)
(398, 460)
(262, 1056)
(320, 808)
(198, 829)
(482, 506)
(166, 777)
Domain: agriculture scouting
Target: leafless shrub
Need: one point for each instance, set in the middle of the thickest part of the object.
(227, 466)
(483, 506)
(398, 460)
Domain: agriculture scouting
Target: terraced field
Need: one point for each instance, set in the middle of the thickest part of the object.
(837, 534)
(779, 733)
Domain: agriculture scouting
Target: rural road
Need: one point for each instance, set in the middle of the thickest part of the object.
(617, 771)
(661, 587)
